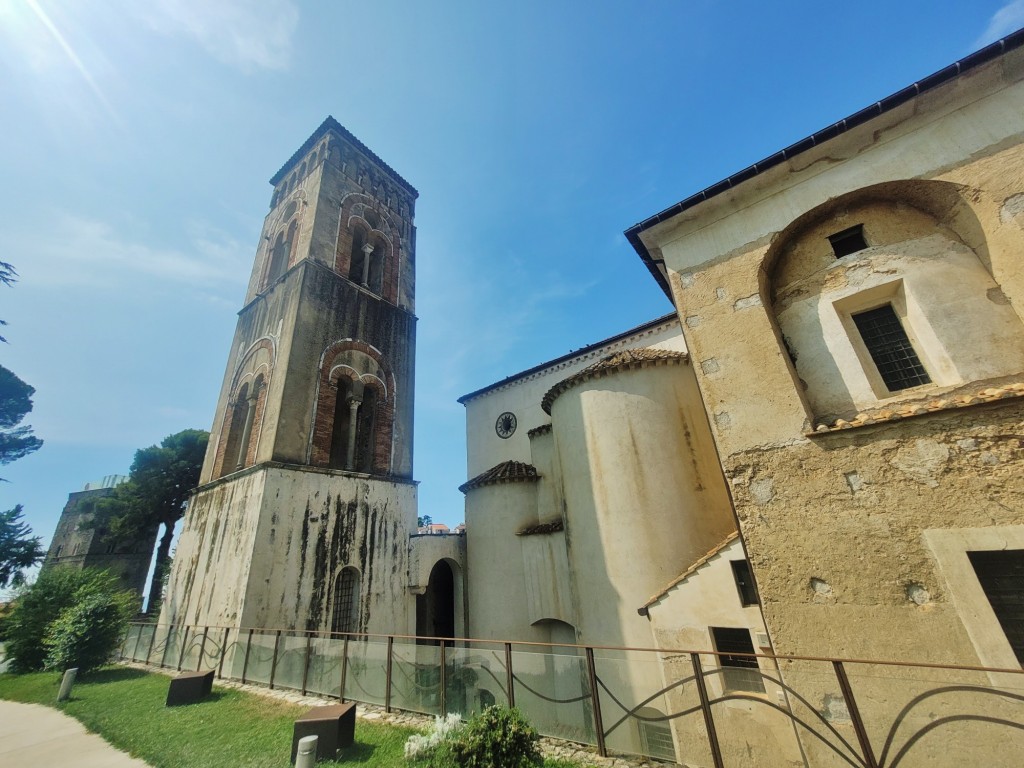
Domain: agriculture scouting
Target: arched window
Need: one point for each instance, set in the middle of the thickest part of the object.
(236, 425)
(352, 439)
(358, 265)
(302, 171)
(278, 259)
(345, 610)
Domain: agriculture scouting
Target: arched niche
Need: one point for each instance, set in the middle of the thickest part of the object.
(865, 284)
(436, 607)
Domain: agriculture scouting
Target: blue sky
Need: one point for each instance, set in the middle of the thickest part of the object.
(138, 138)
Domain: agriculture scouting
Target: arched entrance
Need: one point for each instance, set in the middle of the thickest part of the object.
(435, 608)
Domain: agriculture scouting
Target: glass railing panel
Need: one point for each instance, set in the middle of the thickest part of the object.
(261, 657)
(474, 678)
(170, 646)
(416, 678)
(193, 646)
(325, 660)
(551, 689)
(126, 650)
(366, 671)
(291, 662)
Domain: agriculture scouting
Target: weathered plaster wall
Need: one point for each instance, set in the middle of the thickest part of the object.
(644, 497)
(835, 523)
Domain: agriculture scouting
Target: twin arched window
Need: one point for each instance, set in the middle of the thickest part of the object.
(366, 260)
(281, 253)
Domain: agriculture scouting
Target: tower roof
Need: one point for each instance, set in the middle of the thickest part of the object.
(330, 124)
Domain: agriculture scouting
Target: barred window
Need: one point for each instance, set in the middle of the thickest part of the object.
(345, 614)
(890, 348)
(739, 673)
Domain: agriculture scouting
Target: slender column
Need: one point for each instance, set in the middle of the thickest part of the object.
(367, 250)
(250, 414)
(353, 421)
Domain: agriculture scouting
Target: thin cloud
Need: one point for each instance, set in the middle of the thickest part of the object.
(1007, 19)
(85, 251)
(245, 34)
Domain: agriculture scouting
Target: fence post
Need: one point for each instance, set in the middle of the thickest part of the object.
(305, 664)
(245, 664)
(595, 697)
(705, 706)
(509, 677)
(223, 653)
(858, 723)
(273, 661)
(184, 647)
(152, 641)
(344, 669)
(387, 693)
(444, 683)
(202, 648)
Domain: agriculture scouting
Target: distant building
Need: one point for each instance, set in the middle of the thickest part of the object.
(77, 543)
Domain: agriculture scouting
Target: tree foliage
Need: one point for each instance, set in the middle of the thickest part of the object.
(15, 402)
(86, 634)
(19, 549)
(161, 479)
(38, 605)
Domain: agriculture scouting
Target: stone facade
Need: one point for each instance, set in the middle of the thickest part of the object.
(78, 543)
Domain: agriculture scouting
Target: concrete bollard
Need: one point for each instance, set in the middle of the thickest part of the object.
(66, 683)
(305, 755)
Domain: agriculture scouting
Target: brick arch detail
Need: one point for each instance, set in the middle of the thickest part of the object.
(327, 398)
(387, 232)
(245, 377)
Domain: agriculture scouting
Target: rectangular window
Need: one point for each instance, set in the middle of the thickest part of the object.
(739, 673)
(890, 348)
(1001, 574)
(848, 241)
(744, 582)
(656, 737)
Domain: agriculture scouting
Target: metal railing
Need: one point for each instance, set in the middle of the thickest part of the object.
(700, 708)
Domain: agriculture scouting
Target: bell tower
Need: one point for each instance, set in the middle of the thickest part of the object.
(307, 482)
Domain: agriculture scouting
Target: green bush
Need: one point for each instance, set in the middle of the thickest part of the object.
(85, 635)
(38, 605)
(499, 737)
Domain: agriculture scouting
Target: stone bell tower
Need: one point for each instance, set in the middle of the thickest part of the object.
(306, 497)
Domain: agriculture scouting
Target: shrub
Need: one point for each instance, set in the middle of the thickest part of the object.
(86, 635)
(498, 736)
(422, 746)
(40, 604)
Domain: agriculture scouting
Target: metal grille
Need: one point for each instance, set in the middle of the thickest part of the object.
(740, 673)
(345, 594)
(889, 347)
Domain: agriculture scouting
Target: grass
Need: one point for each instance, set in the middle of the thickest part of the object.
(231, 728)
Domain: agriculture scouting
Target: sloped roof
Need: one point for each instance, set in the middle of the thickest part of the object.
(533, 530)
(506, 472)
(702, 560)
(624, 360)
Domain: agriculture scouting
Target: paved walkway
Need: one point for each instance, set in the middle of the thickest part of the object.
(31, 734)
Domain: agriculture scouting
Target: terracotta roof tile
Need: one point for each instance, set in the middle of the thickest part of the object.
(625, 360)
(543, 429)
(506, 472)
(552, 527)
(976, 394)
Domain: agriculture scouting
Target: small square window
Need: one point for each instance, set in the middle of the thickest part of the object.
(890, 348)
(848, 241)
(739, 673)
(744, 582)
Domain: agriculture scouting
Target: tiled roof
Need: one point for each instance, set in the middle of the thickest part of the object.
(533, 530)
(625, 360)
(506, 472)
(543, 429)
(689, 571)
(976, 395)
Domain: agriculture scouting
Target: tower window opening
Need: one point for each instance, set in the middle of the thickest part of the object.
(848, 241)
(352, 439)
(890, 348)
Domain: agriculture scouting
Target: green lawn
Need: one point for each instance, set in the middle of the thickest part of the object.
(231, 728)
